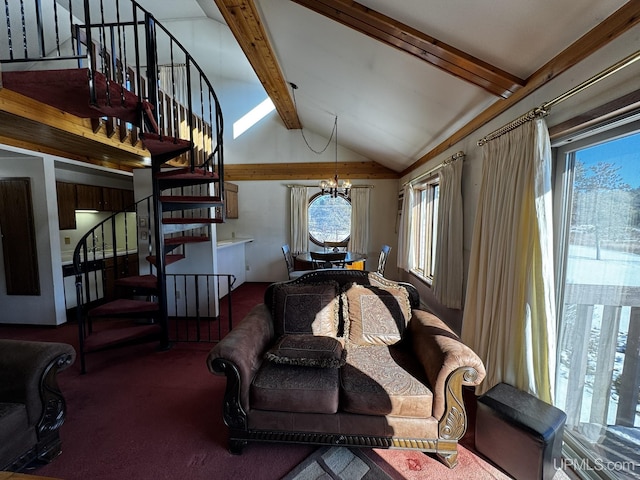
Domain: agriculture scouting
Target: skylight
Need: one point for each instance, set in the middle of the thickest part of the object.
(253, 117)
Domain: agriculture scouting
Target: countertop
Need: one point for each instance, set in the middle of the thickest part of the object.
(67, 256)
(223, 243)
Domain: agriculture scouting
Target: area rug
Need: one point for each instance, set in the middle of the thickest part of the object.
(337, 463)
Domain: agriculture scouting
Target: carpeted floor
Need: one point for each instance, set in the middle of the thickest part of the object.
(144, 414)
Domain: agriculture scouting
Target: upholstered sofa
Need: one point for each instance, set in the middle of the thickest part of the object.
(32, 407)
(345, 357)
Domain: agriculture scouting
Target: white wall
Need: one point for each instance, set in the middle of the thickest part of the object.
(48, 308)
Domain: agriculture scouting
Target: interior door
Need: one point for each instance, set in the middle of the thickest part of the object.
(18, 237)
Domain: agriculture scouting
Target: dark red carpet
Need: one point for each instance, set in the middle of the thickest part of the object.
(143, 414)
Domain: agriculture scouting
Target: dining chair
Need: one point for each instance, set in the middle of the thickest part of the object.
(382, 260)
(328, 260)
(335, 246)
(288, 258)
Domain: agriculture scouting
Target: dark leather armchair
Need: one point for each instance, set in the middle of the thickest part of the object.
(32, 407)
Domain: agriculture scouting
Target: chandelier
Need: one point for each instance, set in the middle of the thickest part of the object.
(333, 186)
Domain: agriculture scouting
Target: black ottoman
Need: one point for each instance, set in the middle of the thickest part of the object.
(519, 433)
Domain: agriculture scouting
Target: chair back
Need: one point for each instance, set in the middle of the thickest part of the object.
(382, 261)
(328, 260)
(288, 258)
(335, 246)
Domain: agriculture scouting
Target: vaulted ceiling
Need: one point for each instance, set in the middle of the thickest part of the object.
(404, 77)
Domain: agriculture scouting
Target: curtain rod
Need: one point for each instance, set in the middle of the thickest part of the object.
(289, 185)
(544, 109)
(447, 161)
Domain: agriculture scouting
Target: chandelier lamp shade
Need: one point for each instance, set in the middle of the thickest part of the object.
(333, 186)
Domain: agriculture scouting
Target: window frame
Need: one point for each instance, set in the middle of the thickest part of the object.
(424, 227)
(314, 240)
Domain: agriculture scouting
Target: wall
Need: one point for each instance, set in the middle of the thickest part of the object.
(613, 87)
(48, 307)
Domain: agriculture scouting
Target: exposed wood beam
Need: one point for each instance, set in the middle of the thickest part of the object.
(243, 19)
(624, 19)
(307, 171)
(409, 40)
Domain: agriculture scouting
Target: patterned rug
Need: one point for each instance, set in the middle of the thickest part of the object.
(337, 463)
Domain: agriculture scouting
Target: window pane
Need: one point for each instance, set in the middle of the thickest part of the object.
(598, 373)
(329, 219)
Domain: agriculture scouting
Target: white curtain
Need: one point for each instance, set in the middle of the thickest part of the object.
(509, 314)
(405, 245)
(174, 75)
(359, 241)
(449, 264)
(299, 220)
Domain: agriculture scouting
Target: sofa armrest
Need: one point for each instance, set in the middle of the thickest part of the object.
(28, 373)
(239, 356)
(442, 353)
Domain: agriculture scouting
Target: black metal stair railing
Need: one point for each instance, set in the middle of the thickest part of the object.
(126, 51)
(137, 75)
(112, 251)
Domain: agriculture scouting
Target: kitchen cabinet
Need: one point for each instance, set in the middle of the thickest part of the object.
(66, 193)
(231, 200)
(112, 200)
(73, 197)
(88, 197)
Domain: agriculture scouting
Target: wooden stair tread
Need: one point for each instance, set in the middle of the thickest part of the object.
(168, 259)
(147, 282)
(190, 199)
(163, 148)
(187, 221)
(109, 337)
(187, 174)
(125, 307)
(185, 239)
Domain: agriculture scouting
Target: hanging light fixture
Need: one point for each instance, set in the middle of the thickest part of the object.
(333, 186)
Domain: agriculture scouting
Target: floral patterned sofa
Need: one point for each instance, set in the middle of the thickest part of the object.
(345, 357)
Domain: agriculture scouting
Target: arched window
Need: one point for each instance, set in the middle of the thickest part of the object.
(329, 218)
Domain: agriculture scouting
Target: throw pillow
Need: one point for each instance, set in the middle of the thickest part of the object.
(376, 315)
(307, 351)
(306, 309)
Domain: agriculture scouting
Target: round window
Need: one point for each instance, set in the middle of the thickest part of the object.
(329, 218)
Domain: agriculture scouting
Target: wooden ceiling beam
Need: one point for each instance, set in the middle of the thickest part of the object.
(409, 40)
(619, 22)
(243, 19)
(308, 171)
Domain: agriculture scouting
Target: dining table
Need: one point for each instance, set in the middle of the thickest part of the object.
(352, 261)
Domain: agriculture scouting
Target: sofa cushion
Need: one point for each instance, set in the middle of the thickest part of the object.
(306, 309)
(16, 436)
(307, 351)
(384, 380)
(376, 315)
(292, 388)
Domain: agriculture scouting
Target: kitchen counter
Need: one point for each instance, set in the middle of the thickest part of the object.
(67, 256)
(233, 241)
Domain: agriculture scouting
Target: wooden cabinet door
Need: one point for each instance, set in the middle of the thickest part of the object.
(112, 199)
(128, 200)
(18, 237)
(231, 200)
(66, 205)
(89, 197)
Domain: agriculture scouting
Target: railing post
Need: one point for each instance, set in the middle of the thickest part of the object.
(93, 99)
(152, 65)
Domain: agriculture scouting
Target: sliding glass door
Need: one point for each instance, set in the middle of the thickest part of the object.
(598, 377)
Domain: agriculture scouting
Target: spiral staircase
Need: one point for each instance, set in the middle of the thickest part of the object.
(113, 63)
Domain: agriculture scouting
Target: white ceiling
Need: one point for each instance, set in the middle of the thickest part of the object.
(392, 107)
